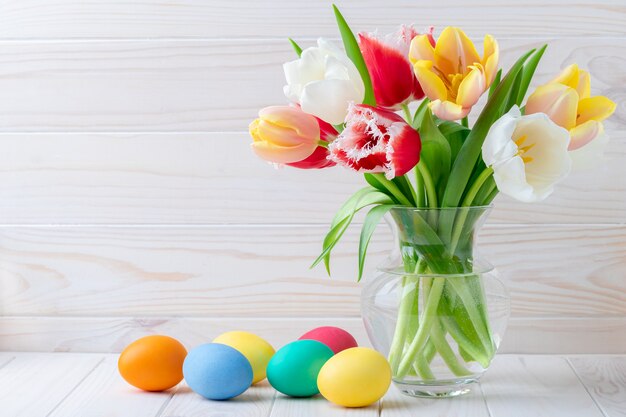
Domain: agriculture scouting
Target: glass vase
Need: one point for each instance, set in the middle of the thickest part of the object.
(435, 307)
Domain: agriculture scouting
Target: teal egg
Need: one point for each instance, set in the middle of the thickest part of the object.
(294, 368)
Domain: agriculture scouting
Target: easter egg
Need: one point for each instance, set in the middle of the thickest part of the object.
(355, 377)
(335, 338)
(293, 369)
(153, 363)
(254, 348)
(217, 372)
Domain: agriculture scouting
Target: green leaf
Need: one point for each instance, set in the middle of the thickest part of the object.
(405, 187)
(529, 71)
(372, 180)
(354, 53)
(296, 47)
(419, 113)
(495, 83)
(512, 100)
(436, 152)
(365, 197)
(456, 135)
(369, 225)
(471, 149)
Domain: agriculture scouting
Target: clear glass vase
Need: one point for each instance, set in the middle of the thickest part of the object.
(435, 308)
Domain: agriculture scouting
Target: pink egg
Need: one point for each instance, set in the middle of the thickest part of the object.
(335, 338)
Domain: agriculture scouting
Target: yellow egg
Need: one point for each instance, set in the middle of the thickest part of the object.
(355, 377)
(253, 347)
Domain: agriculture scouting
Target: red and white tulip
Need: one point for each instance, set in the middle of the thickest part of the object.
(387, 60)
(376, 140)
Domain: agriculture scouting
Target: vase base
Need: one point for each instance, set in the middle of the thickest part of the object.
(438, 389)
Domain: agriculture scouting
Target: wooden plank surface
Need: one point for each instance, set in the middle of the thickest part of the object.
(255, 402)
(535, 386)
(112, 334)
(34, 384)
(396, 404)
(540, 385)
(197, 178)
(212, 18)
(244, 271)
(211, 85)
(316, 406)
(104, 393)
(605, 379)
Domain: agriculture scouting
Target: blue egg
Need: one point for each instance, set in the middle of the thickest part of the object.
(217, 372)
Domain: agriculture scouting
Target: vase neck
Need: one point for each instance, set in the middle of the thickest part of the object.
(438, 240)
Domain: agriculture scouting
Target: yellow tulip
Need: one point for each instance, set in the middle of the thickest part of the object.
(567, 101)
(452, 74)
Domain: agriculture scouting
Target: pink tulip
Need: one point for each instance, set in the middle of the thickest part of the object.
(376, 140)
(287, 135)
(387, 61)
(319, 157)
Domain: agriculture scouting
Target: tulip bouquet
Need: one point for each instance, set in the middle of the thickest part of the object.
(395, 108)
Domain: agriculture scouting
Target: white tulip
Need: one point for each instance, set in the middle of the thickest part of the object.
(528, 155)
(323, 81)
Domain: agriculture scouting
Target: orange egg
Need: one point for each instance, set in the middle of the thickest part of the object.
(153, 363)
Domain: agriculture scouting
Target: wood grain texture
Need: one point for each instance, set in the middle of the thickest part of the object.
(396, 404)
(213, 85)
(198, 178)
(213, 18)
(33, 385)
(535, 386)
(112, 334)
(240, 271)
(255, 402)
(104, 393)
(317, 406)
(605, 379)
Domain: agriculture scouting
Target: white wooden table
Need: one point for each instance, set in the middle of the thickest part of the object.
(76, 384)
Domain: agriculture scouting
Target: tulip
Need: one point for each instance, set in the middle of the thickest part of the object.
(567, 101)
(284, 134)
(376, 140)
(528, 155)
(323, 81)
(452, 73)
(319, 158)
(387, 61)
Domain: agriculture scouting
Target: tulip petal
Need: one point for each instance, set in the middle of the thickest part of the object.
(568, 76)
(421, 49)
(391, 73)
(448, 110)
(433, 86)
(291, 118)
(329, 99)
(455, 52)
(490, 58)
(582, 134)
(558, 101)
(594, 108)
(584, 84)
(498, 145)
(471, 88)
(510, 178)
(282, 154)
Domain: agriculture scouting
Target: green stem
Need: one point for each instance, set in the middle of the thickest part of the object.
(463, 341)
(429, 316)
(420, 198)
(431, 193)
(465, 122)
(471, 194)
(393, 189)
(407, 114)
(446, 352)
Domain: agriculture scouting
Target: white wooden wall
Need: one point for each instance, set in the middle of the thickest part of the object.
(131, 204)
